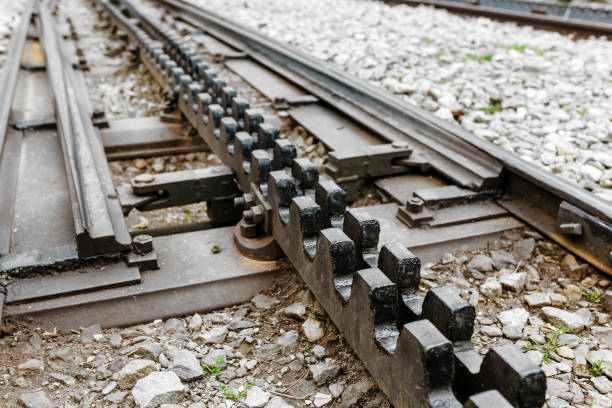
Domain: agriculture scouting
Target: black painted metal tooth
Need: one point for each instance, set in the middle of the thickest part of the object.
(261, 165)
(227, 96)
(364, 231)
(332, 200)
(229, 127)
(487, 399)
(306, 174)
(338, 252)
(267, 135)
(506, 369)
(403, 268)
(284, 154)
(215, 114)
(204, 101)
(452, 315)
(381, 295)
(306, 213)
(194, 90)
(243, 145)
(184, 82)
(252, 119)
(239, 107)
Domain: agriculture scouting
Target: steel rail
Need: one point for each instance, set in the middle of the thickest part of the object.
(545, 15)
(418, 349)
(455, 150)
(95, 207)
(8, 77)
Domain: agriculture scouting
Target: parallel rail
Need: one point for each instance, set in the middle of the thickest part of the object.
(554, 16)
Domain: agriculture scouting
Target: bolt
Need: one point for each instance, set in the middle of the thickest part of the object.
(414, 204)
(144, 178)
(143, 243)
(399, 144)
(239, 202)
(254, 215)
(571, 228)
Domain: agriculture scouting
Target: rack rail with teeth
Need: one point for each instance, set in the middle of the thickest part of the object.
(417, 348)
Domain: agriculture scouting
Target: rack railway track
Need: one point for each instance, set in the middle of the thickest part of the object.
(446, 190)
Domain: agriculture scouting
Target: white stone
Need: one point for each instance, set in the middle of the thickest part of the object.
(186, 365)
(216, 335)
(133, 371)
(602, 384)
(514, 281)
(491, 288)
(256, 398)
(321, 399)
(312, 329)
(513, 322)
(537, 299)
(158, 388)
(563, 319)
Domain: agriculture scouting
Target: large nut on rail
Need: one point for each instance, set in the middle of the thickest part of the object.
(143, 243)
(254, 215)
(415, 205)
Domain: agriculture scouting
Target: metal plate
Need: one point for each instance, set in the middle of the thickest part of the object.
(401, 188)
(144, 137)
(43, 213)
(431, 243)
(66, 283)
(272, 86)
(191, 279)
(332, 129)
(33, 103)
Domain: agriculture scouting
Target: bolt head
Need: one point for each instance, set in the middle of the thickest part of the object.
(415, 205)
(144, 178)
(399, 144)
(143, 243)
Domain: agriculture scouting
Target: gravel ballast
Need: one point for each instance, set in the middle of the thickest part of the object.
(540, 94)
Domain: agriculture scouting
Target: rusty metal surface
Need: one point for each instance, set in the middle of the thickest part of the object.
(272, 86)
(81, 280)
(335, 131)
(541, 211)
(144, 137)
(192, 278)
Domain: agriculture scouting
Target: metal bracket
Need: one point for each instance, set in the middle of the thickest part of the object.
(590, 231)
(185, 187)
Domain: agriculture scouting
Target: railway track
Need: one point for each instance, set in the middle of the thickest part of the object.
(557, 16)
(444, 190)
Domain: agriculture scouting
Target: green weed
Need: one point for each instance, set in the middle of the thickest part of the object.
(213, 369)
(592, 295)
(551, 345)
(596, 368)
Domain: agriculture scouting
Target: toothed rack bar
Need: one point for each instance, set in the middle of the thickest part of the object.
(418, 349)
